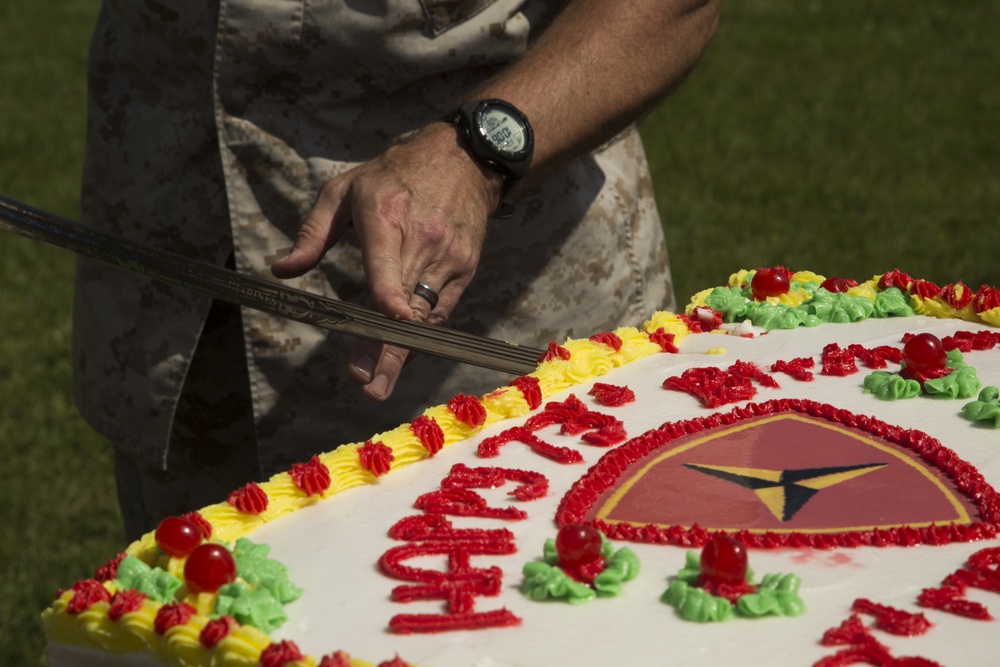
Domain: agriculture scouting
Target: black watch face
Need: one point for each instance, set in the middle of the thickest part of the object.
(504, 130)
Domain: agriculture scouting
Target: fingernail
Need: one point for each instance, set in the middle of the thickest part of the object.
(379, 385)
(365, 365)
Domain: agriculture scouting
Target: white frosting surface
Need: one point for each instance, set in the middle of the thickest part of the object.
(332, 549)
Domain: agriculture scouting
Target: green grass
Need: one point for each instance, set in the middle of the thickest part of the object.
(838, 136)
(842, 136)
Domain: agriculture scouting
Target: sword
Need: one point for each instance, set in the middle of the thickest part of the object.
(269, 297)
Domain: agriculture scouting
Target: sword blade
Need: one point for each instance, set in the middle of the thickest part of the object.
(263, 295)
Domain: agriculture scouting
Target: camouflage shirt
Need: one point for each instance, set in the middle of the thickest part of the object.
(212, 125)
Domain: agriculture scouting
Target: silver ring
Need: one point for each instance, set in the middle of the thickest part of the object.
(427, 293)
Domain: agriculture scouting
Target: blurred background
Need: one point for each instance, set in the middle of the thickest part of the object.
(847, 137)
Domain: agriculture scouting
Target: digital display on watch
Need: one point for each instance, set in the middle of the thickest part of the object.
(503, 129)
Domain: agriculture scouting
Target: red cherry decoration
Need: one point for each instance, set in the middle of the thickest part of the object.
(924, 354)
(578, 544)
(177, 536)
(724, 559)
(769, 282)
(837, 285)
(209, 568)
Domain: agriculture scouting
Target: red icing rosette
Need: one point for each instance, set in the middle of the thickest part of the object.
(280, 654)
(169, 615)
(376, 458)
(554, 351)
(957, 295)
(313, 478)
(895, 278)
(429, 434)
(987, 298)
(664, 340)
(109, 570)
(203, 525)
(125, 602)
(87, 593)
(530, 388)
(249, 499)
(336, 659)
(216, 630)
(468, 409)
(924, 289)
(608, 338)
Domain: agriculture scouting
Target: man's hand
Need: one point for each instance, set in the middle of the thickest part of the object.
(420, 211)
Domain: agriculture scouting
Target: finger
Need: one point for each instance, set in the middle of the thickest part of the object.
(323, 227)
(376, 366)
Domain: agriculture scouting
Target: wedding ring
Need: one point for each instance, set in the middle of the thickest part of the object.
(427, 293)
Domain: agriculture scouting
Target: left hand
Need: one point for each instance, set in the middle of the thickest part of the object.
(420, 211)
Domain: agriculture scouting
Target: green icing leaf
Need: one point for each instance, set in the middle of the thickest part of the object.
(892, 302)
(258, 608)
(729, 301)
(622, 566)
(960, 383)
(260, 572)
(887, 386)
(777, 595)
(839, 307)
(696, 604)
(155, 582)
(986, 408)
(548, 582)
(772, 316)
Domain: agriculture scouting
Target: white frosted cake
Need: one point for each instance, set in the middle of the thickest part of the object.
(852, 463)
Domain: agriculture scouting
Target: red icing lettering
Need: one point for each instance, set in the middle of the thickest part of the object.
(797, 368)
(712, 386)
(249, 499)
(862, 648)
(376, 457)
(838, 361)
(468, 409)
(892, 620)
(395, 662)
(460, 583)
(611, 395)
(982, 572)
(313, 478)
(490, 447)
(280, 654)
(753, 372)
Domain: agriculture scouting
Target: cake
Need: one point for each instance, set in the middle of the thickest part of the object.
(840, 438)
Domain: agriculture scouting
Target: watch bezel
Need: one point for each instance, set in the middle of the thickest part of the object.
(513, 164)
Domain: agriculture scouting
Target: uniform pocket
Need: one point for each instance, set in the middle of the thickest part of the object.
(443, 15)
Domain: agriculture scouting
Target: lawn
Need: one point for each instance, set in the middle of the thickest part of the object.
(842, 136)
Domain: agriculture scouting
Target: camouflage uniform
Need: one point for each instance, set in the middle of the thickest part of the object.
(212, 126)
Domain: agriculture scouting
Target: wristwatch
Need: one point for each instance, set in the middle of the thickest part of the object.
(499, 136)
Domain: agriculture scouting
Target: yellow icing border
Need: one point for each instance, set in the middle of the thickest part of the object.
(180, 646)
